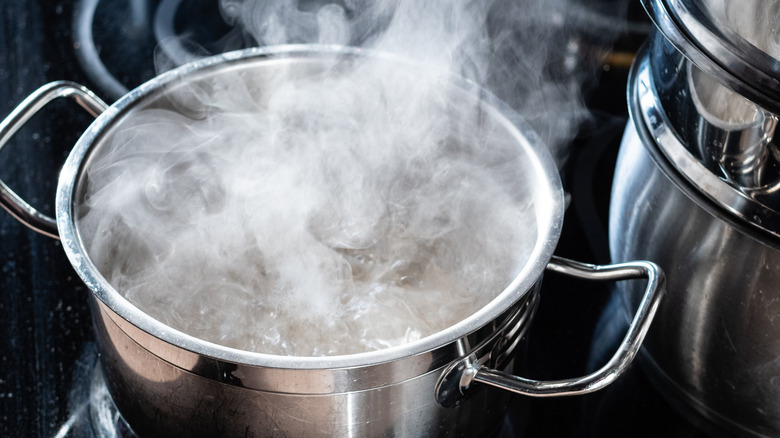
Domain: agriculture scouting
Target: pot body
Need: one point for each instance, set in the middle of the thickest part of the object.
(159, 398)
(714, 345)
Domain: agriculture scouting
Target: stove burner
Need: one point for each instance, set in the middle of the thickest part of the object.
(152, 37)
(200, 29)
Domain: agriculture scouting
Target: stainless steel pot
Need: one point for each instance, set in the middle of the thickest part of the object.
(168, 383)
(696, 191)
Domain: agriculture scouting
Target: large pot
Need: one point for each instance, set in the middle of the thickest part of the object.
(168, 383)
(695, 190)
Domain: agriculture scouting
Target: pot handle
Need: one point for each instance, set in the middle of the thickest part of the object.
(9, 200)
(470, 369)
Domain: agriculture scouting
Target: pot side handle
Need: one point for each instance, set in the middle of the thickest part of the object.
(472, 371)
(9, 200)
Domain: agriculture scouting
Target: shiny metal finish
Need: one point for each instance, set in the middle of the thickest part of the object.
(716, 71)
(700, 31)
(9, 200)
(158, 398)
(735, 136)
(167, 383)
(733, 162)
(714, 344)
(476, 371)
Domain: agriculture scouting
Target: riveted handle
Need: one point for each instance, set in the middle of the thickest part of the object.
(471, 371)
(9, 200)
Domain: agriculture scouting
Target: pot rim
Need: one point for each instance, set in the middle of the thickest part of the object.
(548, 203)
(719, 51)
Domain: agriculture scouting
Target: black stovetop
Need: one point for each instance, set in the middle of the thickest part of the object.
(48, 357)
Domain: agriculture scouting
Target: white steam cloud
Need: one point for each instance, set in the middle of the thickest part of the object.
(330, 207)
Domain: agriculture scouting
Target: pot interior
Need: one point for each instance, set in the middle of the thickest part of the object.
(310, 202)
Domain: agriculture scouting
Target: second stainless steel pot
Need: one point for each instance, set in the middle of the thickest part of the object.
(714, 347)
(697, 190)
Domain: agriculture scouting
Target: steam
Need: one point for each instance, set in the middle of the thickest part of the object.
(348, 204)
(536, 55)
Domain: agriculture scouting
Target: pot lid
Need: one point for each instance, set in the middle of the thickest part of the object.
(754, 208)
(736, 42)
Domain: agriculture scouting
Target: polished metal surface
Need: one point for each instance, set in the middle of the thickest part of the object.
(207, 389)
(477, 372)
(732, 162)
(736, 138)
(9, 200)
(697, 29)
(158, 398)
(452, 388)
(715, 67)
(714, 343)
(257, 66)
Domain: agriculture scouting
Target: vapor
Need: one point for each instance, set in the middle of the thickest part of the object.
(355, 205)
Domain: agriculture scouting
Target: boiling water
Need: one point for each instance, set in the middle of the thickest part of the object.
(310, 217)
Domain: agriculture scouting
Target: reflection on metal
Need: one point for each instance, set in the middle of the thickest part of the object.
(9, 200)
(712, 345)
(732, 164)
(622, 358)
(696, 31)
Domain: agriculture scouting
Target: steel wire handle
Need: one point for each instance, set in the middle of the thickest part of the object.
(9, 200)
(628, 347)
(470, 368)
